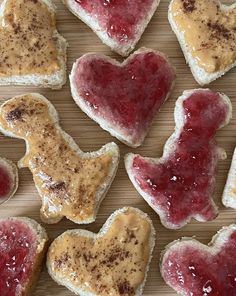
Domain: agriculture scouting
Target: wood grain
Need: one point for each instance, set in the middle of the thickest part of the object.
(91, 137)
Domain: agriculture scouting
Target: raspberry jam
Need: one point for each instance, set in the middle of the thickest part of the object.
(17, 246)
(197, 272)
(119, 18)
(126, 96)
(5, 184)
(181, 184)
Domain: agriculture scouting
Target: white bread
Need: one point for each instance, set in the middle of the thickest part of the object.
(78, 290)
(12, 170)
(218, 242)
(113, 128)
(111, 148)
(121, 48)
(38, 258)
(200, 75)
(55, 80)
(168, 148)
(229, 194)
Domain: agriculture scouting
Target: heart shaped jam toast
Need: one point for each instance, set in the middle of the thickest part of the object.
(31, 50)
(206, 31)
(23, 243)
(192, 268)
(123, 98)
(71, 183)
(118, 23)
(113, 262)
(180, 184)
(8, 179)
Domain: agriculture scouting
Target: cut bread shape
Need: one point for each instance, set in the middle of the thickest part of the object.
(206, 33)
(32, 52)
(113, 262)
(119, 24)
(8, 179)
(123, 98)
(229, 194)
(23, 245)
(192, 268)
(70, 182)
(180, 184)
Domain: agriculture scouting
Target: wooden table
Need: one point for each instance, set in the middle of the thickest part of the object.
(90, 137)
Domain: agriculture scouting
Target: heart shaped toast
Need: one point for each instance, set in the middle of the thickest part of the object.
(118, 23)
(192, 268)
(206, 31)
(32, 52)
(23, 243)
(113, 262)
(71, 183)
(123, 98)
(8, 179)
(180, 184)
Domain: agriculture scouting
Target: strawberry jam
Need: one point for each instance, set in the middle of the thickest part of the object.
(193, 271)
(181, 184)
(126, 96)
(119, 18)
(17, 246)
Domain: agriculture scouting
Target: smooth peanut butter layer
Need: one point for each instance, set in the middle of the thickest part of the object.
(209, 30)
(27, 43)
(67, 180)
(111, 263)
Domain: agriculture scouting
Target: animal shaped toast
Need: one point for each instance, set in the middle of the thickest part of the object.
(71, 183)
(180, 184)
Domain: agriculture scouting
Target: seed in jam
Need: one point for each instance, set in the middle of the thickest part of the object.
(119, 18)
(193, 269)
(126, 96)
(181, 183)
(17, 246)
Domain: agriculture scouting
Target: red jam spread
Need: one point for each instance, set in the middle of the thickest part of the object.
(119, 18)
(181, 184)
(17, 246)
(191, 271)
(5, 184)
(126, 96)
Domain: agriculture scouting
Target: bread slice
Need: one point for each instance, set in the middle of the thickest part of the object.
(39, 239)
(123, 239)
(54, 80)
(54, 181)
(122, 48)
(133, 134)
(169, 149)
(229, 194)
(201, 75)
(180, 270)
(7, 166)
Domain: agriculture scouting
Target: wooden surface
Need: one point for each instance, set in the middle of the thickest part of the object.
(90, 137)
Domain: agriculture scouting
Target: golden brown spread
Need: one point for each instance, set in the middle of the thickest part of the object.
(27, 44)
(112, 264)
(66, 182)
(209, 31)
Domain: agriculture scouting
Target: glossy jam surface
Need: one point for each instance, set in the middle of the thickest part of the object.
(181, 184)
(5, 183)
(120, 18)
(17, 246)
(192, 271)
(112, 264)
(126, 96)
